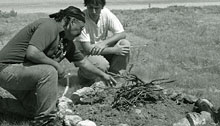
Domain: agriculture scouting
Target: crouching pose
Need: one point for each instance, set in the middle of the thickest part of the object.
(108, 53)
(29, 64)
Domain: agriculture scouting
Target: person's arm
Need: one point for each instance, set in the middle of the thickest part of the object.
(105, 47)
(36, 56)
(43, 37)
(109, 80)
(112, 40)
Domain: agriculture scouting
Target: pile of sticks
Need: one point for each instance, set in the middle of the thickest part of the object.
(136, 92)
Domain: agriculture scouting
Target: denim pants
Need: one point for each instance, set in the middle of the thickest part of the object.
(34, 87)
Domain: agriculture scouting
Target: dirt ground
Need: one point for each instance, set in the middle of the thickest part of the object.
(98, 108)
(163, 113)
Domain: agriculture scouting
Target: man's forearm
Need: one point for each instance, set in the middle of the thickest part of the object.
(36, 56)
(114, 39)
(41, 58)
(108, 50)
(90, 67)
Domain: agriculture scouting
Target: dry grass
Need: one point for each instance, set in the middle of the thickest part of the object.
(183, 44)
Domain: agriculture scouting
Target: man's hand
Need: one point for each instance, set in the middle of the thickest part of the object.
(121, 49)
(109, 80)
(98, 48)
(61, 71)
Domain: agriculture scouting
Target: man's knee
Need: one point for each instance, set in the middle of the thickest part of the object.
(124, 42)
(98, 61)
(49, 71)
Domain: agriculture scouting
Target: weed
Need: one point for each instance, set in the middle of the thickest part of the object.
(12, 13)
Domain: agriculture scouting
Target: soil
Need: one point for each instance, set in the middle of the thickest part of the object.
(98, 108)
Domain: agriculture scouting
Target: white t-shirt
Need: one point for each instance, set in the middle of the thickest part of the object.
(95, 32)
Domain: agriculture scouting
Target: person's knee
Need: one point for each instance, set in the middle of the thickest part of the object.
(50, 71)
(124, 42)
(98, 61)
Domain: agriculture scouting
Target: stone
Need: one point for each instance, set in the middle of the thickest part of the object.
(198, 119)
(182, 122)
(204, 105)
(65, 99)
(84, 91)
(122, 124)
(190, 99)
(86, 123)
(72, 120)
(138, 111)
(99, 86)
(62, 106)
(75, 98)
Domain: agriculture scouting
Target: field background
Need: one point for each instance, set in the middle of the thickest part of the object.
(50, 6)
(182, 43)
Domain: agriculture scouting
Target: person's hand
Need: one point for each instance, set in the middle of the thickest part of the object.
(121, 49)
(61, 71)
(109, 80)
(98, 48)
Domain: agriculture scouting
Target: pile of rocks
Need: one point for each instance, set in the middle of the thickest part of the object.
(204, 113)
(70, 119)
(65, 104)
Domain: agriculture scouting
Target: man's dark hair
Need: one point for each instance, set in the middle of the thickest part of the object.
(70, 11)
(95, 2)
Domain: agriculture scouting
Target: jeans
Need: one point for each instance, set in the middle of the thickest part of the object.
(34, 87)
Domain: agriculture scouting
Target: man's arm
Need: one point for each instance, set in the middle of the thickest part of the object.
(109, 80)
(103, 47)
(113, 39)
(36, 56)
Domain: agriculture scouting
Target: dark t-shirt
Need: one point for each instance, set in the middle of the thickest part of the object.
(44, 34)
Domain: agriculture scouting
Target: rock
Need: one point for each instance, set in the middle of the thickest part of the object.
(71, 120)
(198, 119)
(138, 111)
(122, 124)
(75, 98)
(68, 112)
(84, 91)
(190, 99)
(62, 113)
(65, 99)
(204, 105)
(182, 122)
(62, 106)
(99, 86)
(86, 123)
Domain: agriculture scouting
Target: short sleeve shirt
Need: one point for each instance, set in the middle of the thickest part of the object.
(96, 32)
(43, 34)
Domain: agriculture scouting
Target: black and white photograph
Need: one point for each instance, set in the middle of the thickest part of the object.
(109, 63)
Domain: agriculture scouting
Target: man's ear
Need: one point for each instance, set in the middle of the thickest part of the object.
(66, 22)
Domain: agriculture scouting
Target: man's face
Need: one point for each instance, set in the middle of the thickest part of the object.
(74, 28)
(94, 11)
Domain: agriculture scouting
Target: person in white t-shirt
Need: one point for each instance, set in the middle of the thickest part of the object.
(109, 53)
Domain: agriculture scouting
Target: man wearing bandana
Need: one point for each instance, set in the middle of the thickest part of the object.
(29, 64)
